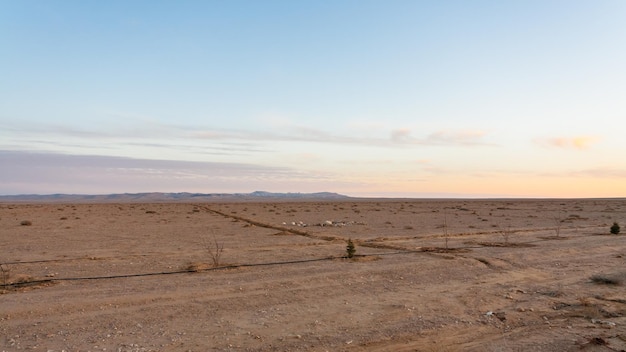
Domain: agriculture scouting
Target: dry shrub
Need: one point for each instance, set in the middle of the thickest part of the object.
(215, 250)
(584, 301)
(607, 279)
(5, 274)
(22, 279)
(197, 266)
(597, 341)
(26, 223)
(366, 258)
(506, 233)
(484, 261)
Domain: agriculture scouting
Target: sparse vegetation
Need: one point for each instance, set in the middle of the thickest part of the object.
(615, 228)
(484, 261)
(196, 266)
(350, 249)
(5, 273)
(214, 249)
(26, 223)
(271, 259)
(606, 280)
(557, 224)
(506, 233)
(446, 236)
(585, 301)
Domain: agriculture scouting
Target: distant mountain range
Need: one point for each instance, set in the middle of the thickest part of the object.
(169, 197)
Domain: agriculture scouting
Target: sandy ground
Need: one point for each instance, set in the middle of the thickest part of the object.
(516, 276)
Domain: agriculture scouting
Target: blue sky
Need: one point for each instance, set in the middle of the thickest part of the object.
(366, 98)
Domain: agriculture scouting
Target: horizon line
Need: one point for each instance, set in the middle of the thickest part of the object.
(385, 195)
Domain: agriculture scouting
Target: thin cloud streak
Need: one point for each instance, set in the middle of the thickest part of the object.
(285, 132)
(441, 138)
(595, 173)
(397, 137)
(577, 142)
(461, 137)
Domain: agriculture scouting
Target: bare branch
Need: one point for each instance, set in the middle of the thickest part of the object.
(5, 273)
(445, 226)
(215, 250)
(506, 233)
(558, 222)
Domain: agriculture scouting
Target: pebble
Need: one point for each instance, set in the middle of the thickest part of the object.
(603, 322)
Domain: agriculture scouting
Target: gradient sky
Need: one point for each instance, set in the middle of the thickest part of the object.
(365, 98)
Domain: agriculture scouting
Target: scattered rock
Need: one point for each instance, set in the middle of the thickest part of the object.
(608, 324)
(598, 341)
(326, 223)
(500, 315)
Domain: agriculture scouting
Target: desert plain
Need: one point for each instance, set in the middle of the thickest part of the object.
(427, 275)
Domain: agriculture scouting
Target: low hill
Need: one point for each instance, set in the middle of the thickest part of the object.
(168, 197)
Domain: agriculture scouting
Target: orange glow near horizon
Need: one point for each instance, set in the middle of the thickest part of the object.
(523, 187)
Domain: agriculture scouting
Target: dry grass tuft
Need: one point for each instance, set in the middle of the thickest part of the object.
(197, 266)
(366, 258)
(22, 279)
(607, 279)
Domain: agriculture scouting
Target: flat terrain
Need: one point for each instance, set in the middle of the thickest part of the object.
(429, 275)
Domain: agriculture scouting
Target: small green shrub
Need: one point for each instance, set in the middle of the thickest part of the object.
(615, 228)
(350, 249)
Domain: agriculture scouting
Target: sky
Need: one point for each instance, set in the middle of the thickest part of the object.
(365, 98)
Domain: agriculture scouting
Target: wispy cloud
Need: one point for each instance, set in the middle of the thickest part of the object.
(402, 135)
(200, 140)
(577, 142)
(458, 137)
(287, 134)
(441, 138)
(600, 172)
(113, 140)
(111, 130)
(279, 128)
